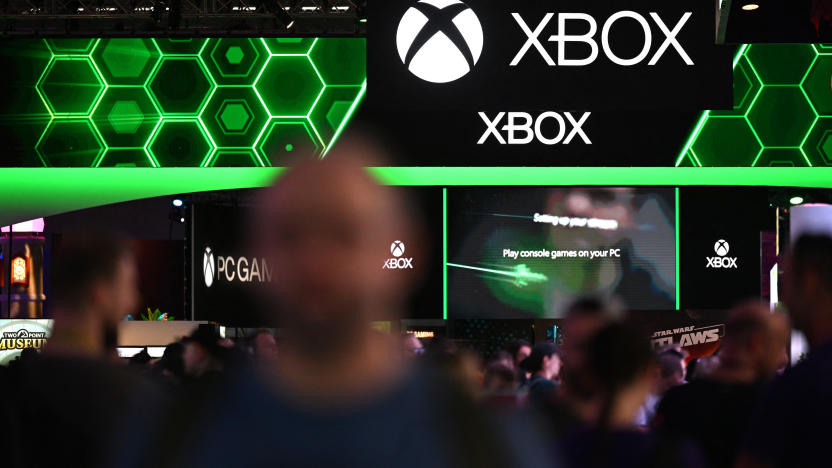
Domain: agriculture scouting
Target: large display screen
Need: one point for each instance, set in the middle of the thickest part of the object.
(527, 252)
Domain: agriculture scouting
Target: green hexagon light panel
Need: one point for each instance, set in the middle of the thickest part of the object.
(782, 113)
(194, 102)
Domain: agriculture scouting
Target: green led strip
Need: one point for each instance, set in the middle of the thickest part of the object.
(58, 190)
(678, 222)
(445, 253)
(782, 113)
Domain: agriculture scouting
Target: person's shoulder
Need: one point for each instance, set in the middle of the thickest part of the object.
(687, 391)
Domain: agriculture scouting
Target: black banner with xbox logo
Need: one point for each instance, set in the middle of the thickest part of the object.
(225, 273)
(501, 56)
(720, 245)
(532, 82)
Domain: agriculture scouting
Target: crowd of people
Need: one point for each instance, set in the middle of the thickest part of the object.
(333, 391)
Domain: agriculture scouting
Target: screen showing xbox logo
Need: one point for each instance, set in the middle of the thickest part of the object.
(439, 40)
(721, 248)
(397, 262)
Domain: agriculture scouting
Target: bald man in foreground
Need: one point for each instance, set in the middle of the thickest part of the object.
(341, 394)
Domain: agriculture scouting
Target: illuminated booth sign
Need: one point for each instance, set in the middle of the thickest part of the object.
(17, 335)
(536, 83)
(226, 273)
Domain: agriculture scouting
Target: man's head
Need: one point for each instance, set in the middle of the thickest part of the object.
(756, 341)
(325, 229)
(264, 346)
(411, 346)
(807, 284)
(672, 371)
(203, 352)
(545, 360)
(519, 350)
(94, 278)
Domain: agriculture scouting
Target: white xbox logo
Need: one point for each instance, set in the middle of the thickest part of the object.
(439, 40)
(208, 266)
(397, 248)
(721, 247)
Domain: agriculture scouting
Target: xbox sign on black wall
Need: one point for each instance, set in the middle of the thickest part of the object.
(225, 272)
(720, 246)
(527, 54)
(527, 82)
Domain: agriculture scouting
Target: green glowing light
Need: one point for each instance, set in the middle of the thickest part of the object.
(56, 190)
(240, 92)
(781, 93)
(520, 275)
(797, 200)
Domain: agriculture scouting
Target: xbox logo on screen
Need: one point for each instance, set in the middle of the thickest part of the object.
(721, 248)
(397, 248)
(439, 40)
(397, 262)
(208, 266)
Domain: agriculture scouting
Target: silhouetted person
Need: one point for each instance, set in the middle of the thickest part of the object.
(500, 385)
(264, 347)
(715, 411)
(619, 367)
(519, 350)
(543, 364)
(341, 393)
(791, 424)
(68, 402)
(584, 317)
(170, 369)
(203, 356)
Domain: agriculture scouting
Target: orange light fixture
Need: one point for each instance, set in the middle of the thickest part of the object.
(20, 271)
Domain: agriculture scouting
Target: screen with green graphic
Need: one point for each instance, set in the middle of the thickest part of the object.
(527, 252)
(782, 113)
(176, 102)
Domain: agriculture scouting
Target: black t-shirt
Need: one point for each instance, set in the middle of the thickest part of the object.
(791, 425)
(628, 449)
(64, 412)
(248, 423)
(713, 414)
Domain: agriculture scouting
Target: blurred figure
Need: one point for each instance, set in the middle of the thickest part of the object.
(672, 371)
(73, 396)
(341, 393)
(751, 351)
(543, 364)
(170, 369)
(264, 347)
(669, 372)
(519, 351)
(504, 358)
(141, 359)
(412, 345)
(790, 427)
(619, 369)
(584, 317)
(204, 356)
(500, 385)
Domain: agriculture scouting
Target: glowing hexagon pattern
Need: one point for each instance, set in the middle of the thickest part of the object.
(196, 102)
(782, 113)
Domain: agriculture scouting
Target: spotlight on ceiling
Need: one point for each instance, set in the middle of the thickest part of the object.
(796, 200)
(750, 6)
(284, 17)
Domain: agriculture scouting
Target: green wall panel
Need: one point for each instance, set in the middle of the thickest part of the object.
(184, 102)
